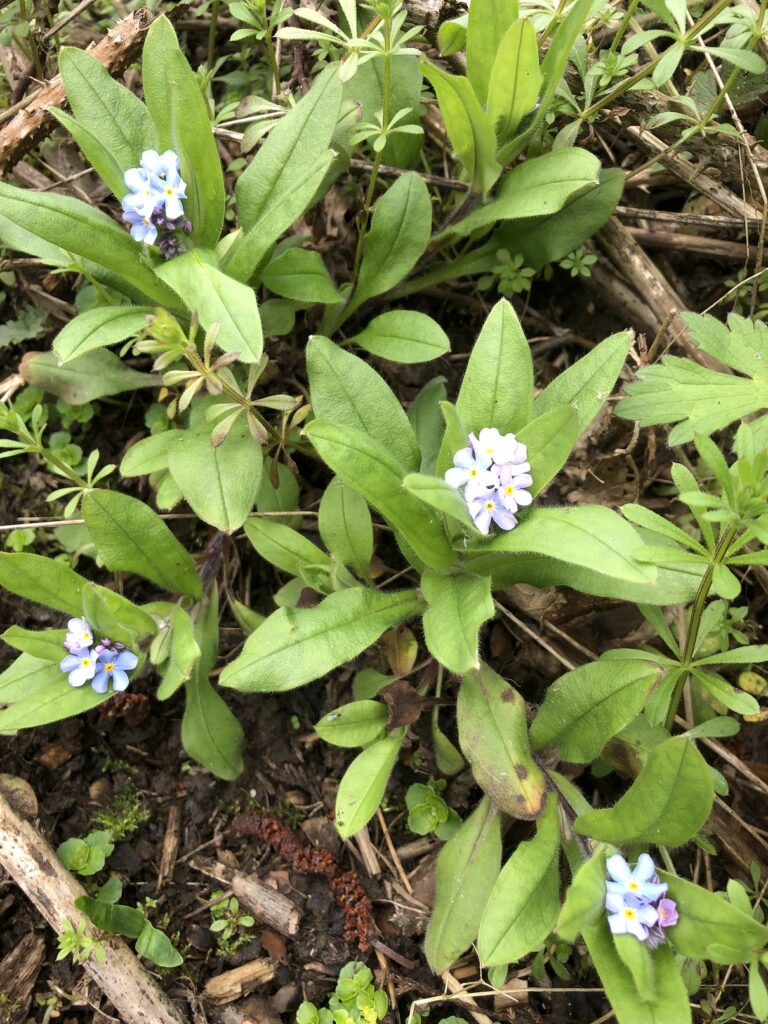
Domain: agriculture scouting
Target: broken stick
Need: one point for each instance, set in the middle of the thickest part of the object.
(35, 868)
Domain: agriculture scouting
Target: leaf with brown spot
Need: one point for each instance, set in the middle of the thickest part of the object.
(493, 734)
(405, 703)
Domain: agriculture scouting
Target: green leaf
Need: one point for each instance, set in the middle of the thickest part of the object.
(493, 736)
(354, 725)
(758, 992)
(457, 606)
(284, 547)
(515, 79)
(436, 493)
(112, 126)
(399, 233)
(587, 384)
(366, 88)
(81, 229)
(293, 646)
(666, 805)
(585, 898)
(180, 651)
(96, 374)
(736, 700)
(46, 695)
(367, 466)
(523, 904)
(217, 299)
(346, 527)
(115, 616)
(636, 957)
(584, 708)
(115, 918)
(427, 422)
(46, 644)
(157, 947)
(709, 927)
(488, 23)
(549, 439)
(547, 239)
(698, 400)
(347, 391)
(300, 274)
(285, 174)
(42, 580)
(469, 128)
(539, 187)
(403, 336)
(148, 455)
(671, 998)
(220, 484)
(742, 344)
(96, 328)
(210, 733)
(364, 782)
(130, 537)
(179, 110)
(466, 871)
(497, 389)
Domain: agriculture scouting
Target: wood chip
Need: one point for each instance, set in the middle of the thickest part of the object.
(239, 982)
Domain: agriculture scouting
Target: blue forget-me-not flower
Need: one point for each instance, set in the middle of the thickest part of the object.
(98, 664)
(496, 476)
(636, 900)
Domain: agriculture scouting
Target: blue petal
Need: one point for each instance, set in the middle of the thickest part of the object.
(119, 680)
(127, 660)
(100, 682)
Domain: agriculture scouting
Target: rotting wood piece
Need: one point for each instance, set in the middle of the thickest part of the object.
(35, 868)
(18, 974)
(234, 984)
(265, 903)
(34, 120)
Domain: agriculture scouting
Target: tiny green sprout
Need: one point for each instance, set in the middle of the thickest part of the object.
(513, 275)
(76, 942)
(579, 262)
(428, 812)
(227, 921)
(125, 815)
(19, 540)
(355, 1001)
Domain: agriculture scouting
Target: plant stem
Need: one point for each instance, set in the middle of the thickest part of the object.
(271, 55)
(628, 15)
(63, 468)
(212, 34)
(699, 603)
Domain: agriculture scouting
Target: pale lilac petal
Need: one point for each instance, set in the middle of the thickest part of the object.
(101, 682)
(503, 518)
(119, 680)
(647, 914)
(456, 477)
(634, 927)
(523, 498)
(479, 489)
(653, 890)
(481, 516)
(668, 915)
(126, 660)
(618, 924)
(618, 868)
(68, 663)
(136, 179)
(522, 480)
(464, 457)
(645, 869)
(151, 161)
(614, 901)
(173, 207)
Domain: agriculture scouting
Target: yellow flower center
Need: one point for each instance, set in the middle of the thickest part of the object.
(109, 666)
(509, 490)
(169, 191)
(489, 505)
(473, 472)
(85, 662)
(633, 886)
(87, 637)
(630, 913)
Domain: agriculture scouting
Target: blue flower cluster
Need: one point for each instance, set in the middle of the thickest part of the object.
(636, 900)
(494, 471)
(154, 207)
(99, 664)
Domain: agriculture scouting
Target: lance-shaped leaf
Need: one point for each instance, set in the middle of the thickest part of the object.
(209, 730)
(493, 735)
(368, 467)
(350, 393)
(362, 788)
(670, 997)
(293, 646)
(467, 868)
(666, 805)
(710, 927)
(346, 527)
(457, 606)
(130, 537)
(435, 492)
(42, 580)
(585, 898)
(97, 328)
(587, 384)
(488, 22)
(94, 375)
(584, 708)
(218, 299)
(523, 905)
(38, 693)
(469, 128)
(180, 113)
(355, 724)
(515, 79)
(549, 440)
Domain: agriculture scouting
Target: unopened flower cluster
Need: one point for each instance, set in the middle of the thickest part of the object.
(636, 901)
(154, 207)
(96, 663)
(495, 475)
